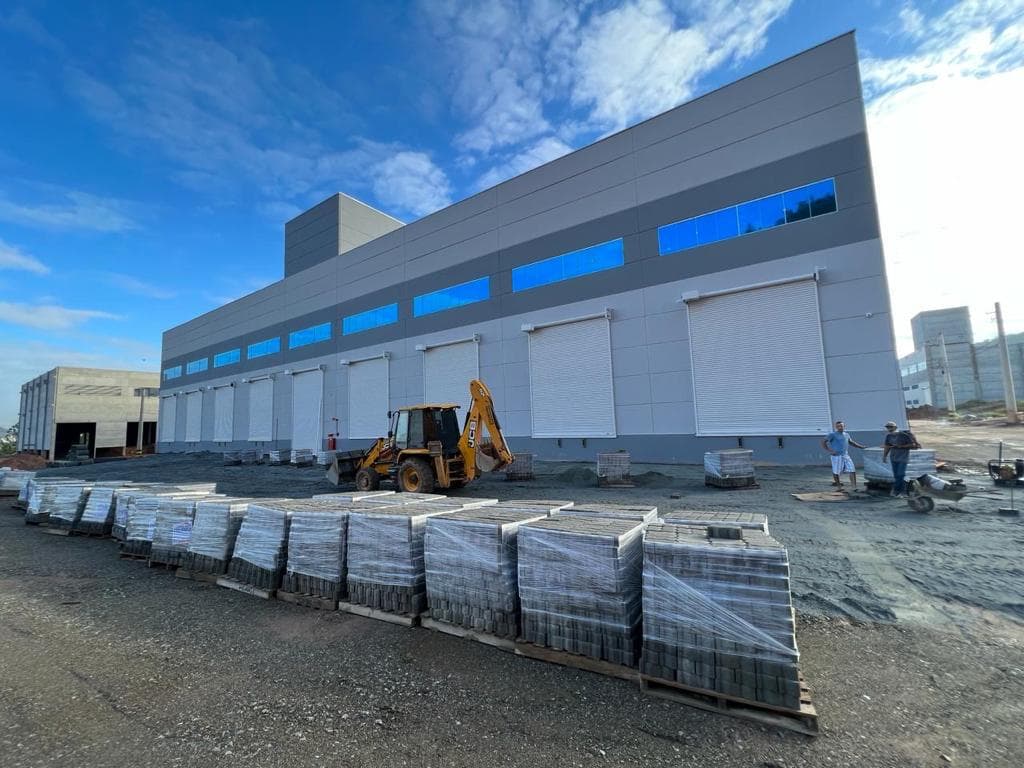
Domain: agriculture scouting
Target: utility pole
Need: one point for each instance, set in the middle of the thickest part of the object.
(950, 398)
(1012, 414)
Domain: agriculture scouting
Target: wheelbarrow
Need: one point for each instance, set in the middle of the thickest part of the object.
(922, 492)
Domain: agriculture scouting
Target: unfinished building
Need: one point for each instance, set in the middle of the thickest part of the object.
(111, 412)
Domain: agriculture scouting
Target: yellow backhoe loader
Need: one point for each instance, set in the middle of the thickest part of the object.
(424, 449)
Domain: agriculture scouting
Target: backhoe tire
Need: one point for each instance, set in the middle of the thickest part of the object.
(415, 476)
(367, 479)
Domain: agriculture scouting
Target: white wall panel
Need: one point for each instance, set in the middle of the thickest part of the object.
(307, 409)
(261, 410)
(223, 414)
(447, 371)
(368, 392)
(168, 417)
(193, 417)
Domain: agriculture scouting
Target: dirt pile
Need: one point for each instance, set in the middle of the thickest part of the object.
(23, 461)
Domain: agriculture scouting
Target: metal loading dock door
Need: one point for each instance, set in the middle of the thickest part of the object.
(193, 417)
(168, 415)
(223, 414)
(758, 362)
(447, 371)
(367, 398)
(307, 409)
(571, 390)
(261, 410)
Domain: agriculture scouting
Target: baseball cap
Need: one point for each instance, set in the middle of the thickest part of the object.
(890, 424)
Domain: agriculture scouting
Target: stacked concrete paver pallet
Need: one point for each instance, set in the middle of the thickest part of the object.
(317, 544)
(214, 531)
(921, 462)
(718, 614)
(40, 493)
(754, 521)
(385, 552)
(472, 567)
(98, 515)
(579, 583)
(172, 530)
(261, 548)
(729, 468)
(68, 503)
(641, 513)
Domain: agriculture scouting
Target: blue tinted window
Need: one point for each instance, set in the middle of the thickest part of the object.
(197, 366)
(798, 204)
(765, 213)
(311, 335)
(823, 197)
(585, 261)
(263, 348)
(455, 296)
(677, 237)
(172, 373)
(227, 358)
(372, 318)
(719, 225)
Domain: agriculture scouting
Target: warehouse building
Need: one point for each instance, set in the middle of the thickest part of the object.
(710, 277)
(112, 412)
(944, 339)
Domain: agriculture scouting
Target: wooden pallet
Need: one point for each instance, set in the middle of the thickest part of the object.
(208, 578)
(598, 666)
(248, 589)
(804, 720)
(308, 601)
(161, 565)
(731, 483)
(57, 531)
(89, 534)
(130, 556)
(373, 613)
(502, 643)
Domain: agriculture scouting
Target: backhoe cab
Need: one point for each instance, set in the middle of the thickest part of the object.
(425, 450)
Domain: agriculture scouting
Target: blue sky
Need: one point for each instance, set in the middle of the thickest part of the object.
(150, 153)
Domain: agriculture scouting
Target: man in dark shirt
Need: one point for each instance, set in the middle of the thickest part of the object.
(898, 445)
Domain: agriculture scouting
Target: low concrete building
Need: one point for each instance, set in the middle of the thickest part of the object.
(111, 411)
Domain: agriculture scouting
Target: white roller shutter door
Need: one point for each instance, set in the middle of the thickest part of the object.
(223, 414)
(193, 417)
(571, 391)
(168, 416)
(447, 371)
(261, 410)
(111, 434)
(367, 398)
(307, 409)
(758, 362)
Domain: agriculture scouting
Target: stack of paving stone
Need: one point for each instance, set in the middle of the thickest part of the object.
(261, 553)
(136, 512)
(325, 458)
(752, 521)
(521, 468)
(641, 513)
(385, 554)
(730, 468)
(302, 457)
(249, 456)
(125, 499)
(232, 458)
(69, 501)
(40, 495)
(317, 543)
(214, 531)
(172, 530)
(13, 480)
(921, 462)
(354, 496)
(472, 569)
(718, 614)
(613, 468)
(279, 457)
(98, 516)
(579, 583)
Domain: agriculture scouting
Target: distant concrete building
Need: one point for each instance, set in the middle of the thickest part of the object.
(975, 368)
(105, 406)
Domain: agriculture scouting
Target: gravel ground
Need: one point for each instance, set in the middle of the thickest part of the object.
(910, 629)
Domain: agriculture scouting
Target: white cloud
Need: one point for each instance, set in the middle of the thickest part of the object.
(947, 169)
(543, 151)
(12, 257)
(75, 211)
(49, 317)
(134, 285)
(410, 181)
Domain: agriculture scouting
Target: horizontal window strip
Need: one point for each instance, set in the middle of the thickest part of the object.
(595, 258)
(230, 357)
(768, 212)
(197, 366)
(172, 373)
(264, 348)
(371, 318)
(455, 296)
(311, 335)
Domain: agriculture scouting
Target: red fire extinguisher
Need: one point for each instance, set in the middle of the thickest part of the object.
(331, 443)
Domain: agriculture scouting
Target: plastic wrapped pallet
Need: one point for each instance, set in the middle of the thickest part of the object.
(232, 458)
(317, 541)
(385, 557)
(68, 503)
(521, 468)
(260, 554)
(140, 517)
(279, 457)
(172, 530)
(641, 513)
(98, 515)
(352, 496)
(754, 521)
(325, 458)
(730, 468)
(579, 583)
(13, 480)
(472, 569)
(125, 498)
(302, 457)
(613, 468)
(214, 531)
(718, 614)
(922, 462)
(39, 497)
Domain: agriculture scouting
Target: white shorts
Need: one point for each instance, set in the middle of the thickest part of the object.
(842, 464)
